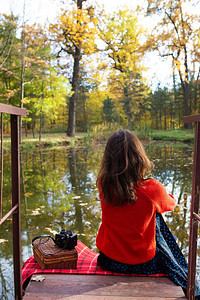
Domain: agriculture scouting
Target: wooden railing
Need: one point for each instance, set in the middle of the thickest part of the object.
(14, 112)
(194, 217)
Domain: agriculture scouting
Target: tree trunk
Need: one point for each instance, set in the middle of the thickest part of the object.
(26, 131)
(156, 114)
(173, 113)
(186, 100)
(22, 81)
(84, 115)
(33, 126)
(185, 87)
(22, 71)
(128, 112)
(127, 106)
(40, 129)
(73, 99)
(41, 114)
(165, 120)
(160, 118)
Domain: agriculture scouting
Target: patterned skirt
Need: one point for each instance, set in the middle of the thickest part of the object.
(167, 260)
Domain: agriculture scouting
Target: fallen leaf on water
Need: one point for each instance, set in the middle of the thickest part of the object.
(28, 194)
(51, 230)
(87, 223)
(3, 241)
(76, 197)
(38, 278)
(35, 212)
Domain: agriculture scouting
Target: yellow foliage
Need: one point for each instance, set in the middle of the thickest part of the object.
(25, 101)
(186, 80)
(76, 29)
(178, 65)
(94, 106)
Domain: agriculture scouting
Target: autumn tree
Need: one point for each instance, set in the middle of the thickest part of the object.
(9, 59)
(35, 67)
(121, 34)
(74, 34)
(48, 99)
(176, 36)
(45, 91)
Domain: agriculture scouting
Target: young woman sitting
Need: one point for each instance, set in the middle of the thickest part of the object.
(133, 237)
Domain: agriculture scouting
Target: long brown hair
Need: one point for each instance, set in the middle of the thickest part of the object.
(124, 165)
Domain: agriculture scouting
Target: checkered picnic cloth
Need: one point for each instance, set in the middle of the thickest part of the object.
(86, 264)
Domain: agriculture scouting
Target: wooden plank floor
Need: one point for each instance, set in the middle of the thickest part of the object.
(99, 287)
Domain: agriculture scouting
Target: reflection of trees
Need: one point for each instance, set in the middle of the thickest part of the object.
(81, 183)
(6, 260)
(7, 184)
(6, 292)
(53, 178)
(75, 180)
(173, 167)
(6, 249)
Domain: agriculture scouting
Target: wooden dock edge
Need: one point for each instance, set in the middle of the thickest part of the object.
(100, 287)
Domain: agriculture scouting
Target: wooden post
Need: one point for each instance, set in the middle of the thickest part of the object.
(194, 208)
(16, 201)
(1, 188)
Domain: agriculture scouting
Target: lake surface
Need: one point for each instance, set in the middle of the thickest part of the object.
(58, 191)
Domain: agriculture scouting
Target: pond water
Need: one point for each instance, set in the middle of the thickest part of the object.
(58, 191)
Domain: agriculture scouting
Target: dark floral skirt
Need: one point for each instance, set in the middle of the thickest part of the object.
(167, 260)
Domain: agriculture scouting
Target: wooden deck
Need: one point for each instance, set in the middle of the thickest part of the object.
(99, 287)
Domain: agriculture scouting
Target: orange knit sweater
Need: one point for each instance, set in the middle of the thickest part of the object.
(127, 232)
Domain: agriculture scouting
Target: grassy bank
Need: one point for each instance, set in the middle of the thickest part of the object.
(179, 135)
(101, 133)
(50, 140)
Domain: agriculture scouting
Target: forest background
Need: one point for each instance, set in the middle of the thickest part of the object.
(86, 70)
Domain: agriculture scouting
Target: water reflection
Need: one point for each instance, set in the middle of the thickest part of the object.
(173, 167)
(58, 191)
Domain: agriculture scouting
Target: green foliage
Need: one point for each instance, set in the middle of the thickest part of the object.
(9, 60)
(162, 109)
(109, 111)
(144, 133)
(111, 86)
(46, 91)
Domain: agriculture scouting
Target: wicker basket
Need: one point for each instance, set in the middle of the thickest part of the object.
(49, 256)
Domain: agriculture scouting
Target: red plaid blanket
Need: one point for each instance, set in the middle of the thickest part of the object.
(86, 264)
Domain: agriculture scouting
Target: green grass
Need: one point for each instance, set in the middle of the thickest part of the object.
(179, 135)
(50, 140)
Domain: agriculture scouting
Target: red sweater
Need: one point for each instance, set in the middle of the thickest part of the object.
(127, 232)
